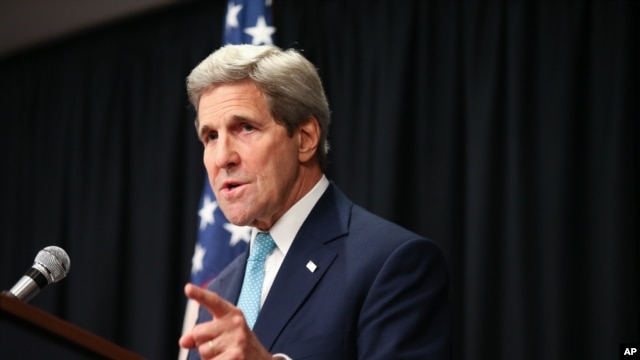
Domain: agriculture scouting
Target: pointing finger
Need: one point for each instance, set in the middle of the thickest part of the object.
(216, 305)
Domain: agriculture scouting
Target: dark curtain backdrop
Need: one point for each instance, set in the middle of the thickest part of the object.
(506, 131)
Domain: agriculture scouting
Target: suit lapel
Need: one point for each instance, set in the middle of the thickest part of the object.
(295, 280)
(229, 282)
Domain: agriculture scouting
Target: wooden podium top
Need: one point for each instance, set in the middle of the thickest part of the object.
(34, 317)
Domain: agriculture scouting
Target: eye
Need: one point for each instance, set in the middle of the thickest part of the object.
(247, 128)
(210, 136)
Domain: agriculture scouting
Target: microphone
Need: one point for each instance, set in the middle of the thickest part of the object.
(50, 265)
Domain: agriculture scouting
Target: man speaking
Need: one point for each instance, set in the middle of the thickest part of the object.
(323, 278)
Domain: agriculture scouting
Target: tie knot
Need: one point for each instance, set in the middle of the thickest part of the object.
(262, 246)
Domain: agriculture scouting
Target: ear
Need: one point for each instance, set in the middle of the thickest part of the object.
(309, 137)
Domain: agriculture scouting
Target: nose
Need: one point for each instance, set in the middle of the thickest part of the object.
(226, 156)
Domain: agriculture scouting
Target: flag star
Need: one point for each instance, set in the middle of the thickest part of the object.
(261, 33)
(267, 2)
(206, 213)
(198, 256)
(238, 233)
(232, 15)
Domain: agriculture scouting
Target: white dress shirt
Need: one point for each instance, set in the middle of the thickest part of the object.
(284, 231)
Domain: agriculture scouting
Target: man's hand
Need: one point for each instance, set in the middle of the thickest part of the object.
(227, 336)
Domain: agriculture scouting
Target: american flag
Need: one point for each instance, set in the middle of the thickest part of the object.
(219, 241)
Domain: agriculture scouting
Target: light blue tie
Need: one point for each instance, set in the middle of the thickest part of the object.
(249, 301)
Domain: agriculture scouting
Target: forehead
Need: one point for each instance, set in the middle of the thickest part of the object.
(233, 92)
(226, 99)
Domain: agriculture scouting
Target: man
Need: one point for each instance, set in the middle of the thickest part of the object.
(341, 283)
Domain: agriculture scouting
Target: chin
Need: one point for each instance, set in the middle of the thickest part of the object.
(238, 219)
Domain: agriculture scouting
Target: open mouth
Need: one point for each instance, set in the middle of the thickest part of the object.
(231, 185)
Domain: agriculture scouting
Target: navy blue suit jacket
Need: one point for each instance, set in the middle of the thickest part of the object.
(379, 291)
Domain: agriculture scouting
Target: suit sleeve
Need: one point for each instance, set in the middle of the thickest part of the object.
(406, 313)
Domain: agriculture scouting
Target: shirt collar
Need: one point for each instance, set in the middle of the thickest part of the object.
(285, 229)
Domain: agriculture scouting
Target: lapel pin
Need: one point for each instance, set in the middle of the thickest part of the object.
(312, 266)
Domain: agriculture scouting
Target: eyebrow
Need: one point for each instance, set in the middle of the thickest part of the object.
(203, 130)
(235, 119)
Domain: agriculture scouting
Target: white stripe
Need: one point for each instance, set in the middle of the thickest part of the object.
(190, 318)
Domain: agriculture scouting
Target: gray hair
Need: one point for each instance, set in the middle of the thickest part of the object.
(290, 83)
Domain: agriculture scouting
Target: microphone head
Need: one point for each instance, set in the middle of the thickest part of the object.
(53, 262)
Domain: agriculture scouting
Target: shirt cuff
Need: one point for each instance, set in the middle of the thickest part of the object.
(281, 357)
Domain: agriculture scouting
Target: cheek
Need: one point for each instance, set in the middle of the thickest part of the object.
(209, 164)
(207, 157)
(283, 171)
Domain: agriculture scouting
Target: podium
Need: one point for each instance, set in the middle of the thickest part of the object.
(27, 332)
